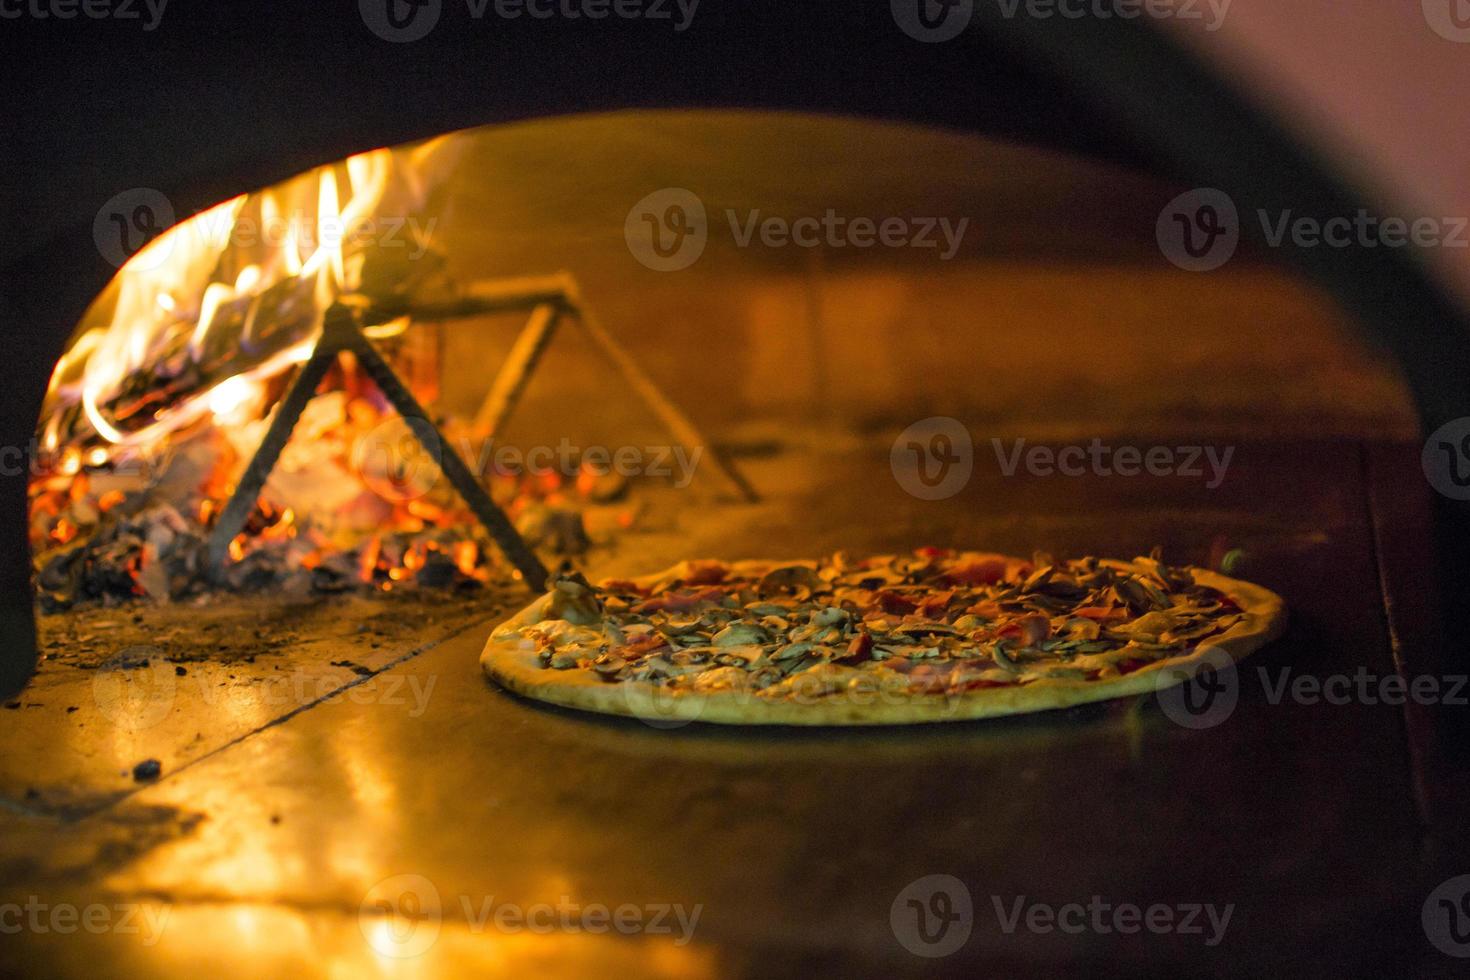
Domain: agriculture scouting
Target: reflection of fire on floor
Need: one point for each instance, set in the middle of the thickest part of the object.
(119, 687)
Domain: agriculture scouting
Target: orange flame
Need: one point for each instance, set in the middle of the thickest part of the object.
(174, 296)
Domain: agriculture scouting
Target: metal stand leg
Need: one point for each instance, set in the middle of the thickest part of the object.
(680, 427)
(510, 380)
(340, 333)
(548, 296)
(502, 531)
(242, 502)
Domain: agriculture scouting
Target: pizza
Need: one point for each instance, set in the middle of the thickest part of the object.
(938, 635)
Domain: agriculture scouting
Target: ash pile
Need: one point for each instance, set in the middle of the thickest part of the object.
(106, 534)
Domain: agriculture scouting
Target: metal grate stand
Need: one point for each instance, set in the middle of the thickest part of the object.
(340, 332)
(550, 299)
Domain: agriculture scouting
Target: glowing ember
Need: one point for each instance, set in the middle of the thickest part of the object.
(465, 554)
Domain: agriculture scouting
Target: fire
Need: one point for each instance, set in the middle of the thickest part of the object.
(208, 290)
(235, 400)
(166, 392)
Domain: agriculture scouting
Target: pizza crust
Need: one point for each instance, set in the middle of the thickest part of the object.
(511, 661)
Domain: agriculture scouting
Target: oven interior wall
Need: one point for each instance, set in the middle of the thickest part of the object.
(1049, 310)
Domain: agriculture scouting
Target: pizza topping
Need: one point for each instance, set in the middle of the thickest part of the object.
(573, 600)
(740, 634)
(931, 623)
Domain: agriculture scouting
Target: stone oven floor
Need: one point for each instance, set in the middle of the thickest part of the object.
(311, 752)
